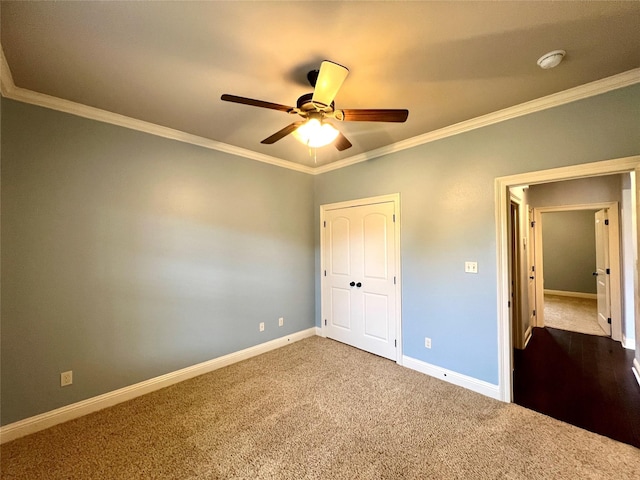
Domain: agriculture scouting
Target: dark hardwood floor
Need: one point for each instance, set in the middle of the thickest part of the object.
(583, 380)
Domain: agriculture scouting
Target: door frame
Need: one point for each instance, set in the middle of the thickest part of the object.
(614, 260)
(515, 267)
(395, 198)
(502, 199)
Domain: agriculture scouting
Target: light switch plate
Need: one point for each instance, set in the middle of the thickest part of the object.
(471, 267)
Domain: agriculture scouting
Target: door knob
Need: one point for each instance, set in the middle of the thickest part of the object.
(353, 284)
(358, 284)
(531, 278)
(595, 274)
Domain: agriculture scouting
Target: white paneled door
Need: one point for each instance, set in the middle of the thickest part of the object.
(359, 291)
(602, 273)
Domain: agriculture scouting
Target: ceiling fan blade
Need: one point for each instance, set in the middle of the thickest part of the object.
(375, 115)
(255, 103)
(281, 133)
(341, 142)
(329, 81)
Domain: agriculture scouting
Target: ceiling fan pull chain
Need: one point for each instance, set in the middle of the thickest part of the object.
(313, 152)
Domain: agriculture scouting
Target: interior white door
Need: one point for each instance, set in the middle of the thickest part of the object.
(360, 268)
(514, 268)
(531, 271)
(603, 288)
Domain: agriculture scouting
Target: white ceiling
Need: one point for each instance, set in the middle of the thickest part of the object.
(168, 63)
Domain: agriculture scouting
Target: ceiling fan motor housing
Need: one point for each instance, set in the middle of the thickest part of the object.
(306, 104)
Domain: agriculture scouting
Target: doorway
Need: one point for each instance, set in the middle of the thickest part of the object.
(502, 184)
(570, 369)
(606, 250)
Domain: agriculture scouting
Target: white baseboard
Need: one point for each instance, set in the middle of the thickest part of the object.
(69, 412)
(470, 383)
(628, 343)
(563, 293)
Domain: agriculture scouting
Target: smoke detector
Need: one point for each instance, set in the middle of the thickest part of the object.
(551, 59)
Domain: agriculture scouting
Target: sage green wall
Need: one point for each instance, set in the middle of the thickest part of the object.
(569, 251)
(126, 256)
(448, 216)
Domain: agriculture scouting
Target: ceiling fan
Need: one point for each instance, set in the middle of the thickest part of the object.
(316, 107)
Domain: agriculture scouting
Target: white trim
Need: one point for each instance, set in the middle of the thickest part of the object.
(395, 198)
(9, 90)
(581, 92)
(628, 343)
(84, 407)
(502, 184)
(636, 370)
(564, 293)
(6, 79)
(93, 113)
(527, 336)
(470, 383)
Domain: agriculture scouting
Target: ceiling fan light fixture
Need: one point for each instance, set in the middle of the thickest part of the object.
(315, 134)
(551, 59)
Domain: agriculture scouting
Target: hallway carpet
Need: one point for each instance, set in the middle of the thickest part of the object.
(573, 314)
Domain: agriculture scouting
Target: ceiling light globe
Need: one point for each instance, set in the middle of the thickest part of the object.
(315, 134)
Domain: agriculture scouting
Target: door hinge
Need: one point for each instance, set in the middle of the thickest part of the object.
(606, 221)
(534, 313)
(325, 322)
(533, 224)
(609, 321)
(395, 343)
(608, 271)
(324, 224)
(325, 273)
(509, 304)
(394, 218)
(394, 280)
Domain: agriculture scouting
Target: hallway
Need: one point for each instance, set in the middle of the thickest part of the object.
(584, 380)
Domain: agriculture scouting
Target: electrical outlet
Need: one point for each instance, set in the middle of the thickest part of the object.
(281, 321)
(262, 326)
(471, 267)
(427, 342)
(66, 378)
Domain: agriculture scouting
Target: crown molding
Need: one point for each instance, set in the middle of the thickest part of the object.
(6, 80)
(10, 90)
(598, 87)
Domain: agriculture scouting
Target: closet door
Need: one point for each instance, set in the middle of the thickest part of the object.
(360, 264)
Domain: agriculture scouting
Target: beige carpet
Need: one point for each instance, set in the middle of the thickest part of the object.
(317, 409)
(574, 314)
